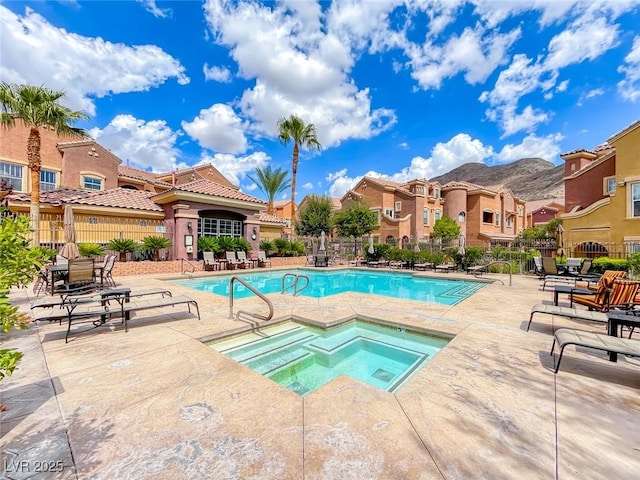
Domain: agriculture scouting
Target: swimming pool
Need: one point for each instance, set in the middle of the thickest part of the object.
(324, 283)
(302, 358)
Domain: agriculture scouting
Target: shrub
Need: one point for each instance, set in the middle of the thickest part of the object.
(153, 244)
(634, 264)
(122, 246)
(282, 246)
(241, 244)
(267, 246)
(90, 250)
(606, 263)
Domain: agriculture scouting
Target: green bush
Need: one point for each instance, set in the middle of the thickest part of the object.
(122, 246)
(90, 250)
(241, 244)
(601, 264)
(267, 246)
(297, 248)
(282, 246)
(153, 244)
(634, 265)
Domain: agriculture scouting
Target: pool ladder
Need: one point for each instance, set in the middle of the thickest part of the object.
(296, 277)
(251, 314)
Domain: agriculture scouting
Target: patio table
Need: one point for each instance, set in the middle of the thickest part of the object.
(570, 290)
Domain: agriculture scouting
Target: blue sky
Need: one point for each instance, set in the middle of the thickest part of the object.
(399, 90)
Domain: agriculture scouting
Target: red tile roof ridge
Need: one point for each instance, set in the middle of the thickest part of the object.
(207, 187)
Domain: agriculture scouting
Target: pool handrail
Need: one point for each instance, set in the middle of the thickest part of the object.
(259, 294)
(503, 262)
(296, 277)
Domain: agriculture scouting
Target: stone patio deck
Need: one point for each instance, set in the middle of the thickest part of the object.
(158, 403)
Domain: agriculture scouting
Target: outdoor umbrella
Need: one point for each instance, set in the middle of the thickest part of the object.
(322, 248)
(371, 248)
(70, 249)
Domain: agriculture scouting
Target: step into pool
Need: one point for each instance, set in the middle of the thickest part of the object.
(302, 358)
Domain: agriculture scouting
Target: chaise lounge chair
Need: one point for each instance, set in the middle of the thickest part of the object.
(597, 341)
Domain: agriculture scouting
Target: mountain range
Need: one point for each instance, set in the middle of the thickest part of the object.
(528, 178)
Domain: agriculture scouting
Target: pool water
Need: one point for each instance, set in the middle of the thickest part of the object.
(321, 284)
(303, 358)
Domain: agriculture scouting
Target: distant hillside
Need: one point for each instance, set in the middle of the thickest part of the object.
(528, 178)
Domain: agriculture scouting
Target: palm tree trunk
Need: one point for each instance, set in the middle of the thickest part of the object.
(35, 164)
(270, 207)
(294, 171)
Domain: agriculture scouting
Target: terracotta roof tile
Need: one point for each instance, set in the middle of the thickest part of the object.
(115, 197)
(266, 218)
(207, 187)
(52, 197)
(534, 205)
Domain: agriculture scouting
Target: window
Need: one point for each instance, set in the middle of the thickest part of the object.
(609, 185)
(377, 210)
(497, 219)
(462, 217)
(487, 217)
(520, 211)
(398, 206)
(91, 183)
(93, 221)
(425, 217)
(143, 223)
(12, 174)
(388, 212)
(47, 180)
(436, 215)
(635, 200)
(509, 222)
(220, 227)
(436, 192)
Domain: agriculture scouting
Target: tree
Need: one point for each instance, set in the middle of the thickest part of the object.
(19, 264)
(271, 182)
(153, 244)
(445, 228)
(37, 107)
(293, 129)
(354, 221)
(315, 217)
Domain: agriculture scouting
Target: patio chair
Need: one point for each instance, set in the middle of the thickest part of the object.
(612, 293)
(584, 268)
(80, 277)
(538, 269)
(596, 341)
(445, 267)
(573, 264)
(572, 313)
(594, 281)
(241, 255)
(232, 260)
(552, 274)
(210, 262)
(262, 259)
(321, 260)
(105, 273)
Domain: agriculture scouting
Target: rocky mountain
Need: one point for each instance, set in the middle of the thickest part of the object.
(528, 178)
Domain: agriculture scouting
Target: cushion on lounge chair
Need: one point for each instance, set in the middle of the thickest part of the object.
(597, 341)
(573, 313)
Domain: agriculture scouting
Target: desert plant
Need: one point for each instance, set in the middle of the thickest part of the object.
(241, 244)
(153, 244)
(282, 246)
(267, 246)
(226, 244)
(122, 246)
(90, 250)
(208, 244)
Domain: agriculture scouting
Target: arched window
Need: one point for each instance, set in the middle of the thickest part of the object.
(462, 217)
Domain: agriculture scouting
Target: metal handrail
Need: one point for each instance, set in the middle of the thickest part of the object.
(259, 294)
(296, 277)
(504, 262)
(191, 264)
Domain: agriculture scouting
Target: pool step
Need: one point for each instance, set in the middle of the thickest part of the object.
(260, 342)
(264, 351)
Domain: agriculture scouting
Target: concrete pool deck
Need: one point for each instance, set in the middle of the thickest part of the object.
(158, 403)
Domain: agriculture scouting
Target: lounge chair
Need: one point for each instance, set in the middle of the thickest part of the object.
(595, 280)
(262, 259)
(99, 307)
(612, 293)
(445, 267)
(552, 274)
(478, 269)
(321, 260)
(585, 266)
(573, 265)
(210, 262)
(572, 313)
(241, 255)
(424, 265)
(597, 341)
(232, 260)
(538, 269)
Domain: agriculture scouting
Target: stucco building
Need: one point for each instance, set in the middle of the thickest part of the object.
(602, 196)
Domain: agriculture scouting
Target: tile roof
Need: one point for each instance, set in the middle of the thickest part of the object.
(266, 218)
(280, 203)
(115, 197)
(387, 183)
(137, 174)
(577, 150)
(534, 205)
(207, 187)
(469, 186)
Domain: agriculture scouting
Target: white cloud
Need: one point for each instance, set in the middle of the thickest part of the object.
(300, 66)
(250, 187)
(152, 8)
(236, 167)
(403, 145)
(218, 128)
(308, 186)
(532, 146)
(144, 144)
(83, 67)
(444, 157)
(629, 86)
(596, 92)
(218, 74)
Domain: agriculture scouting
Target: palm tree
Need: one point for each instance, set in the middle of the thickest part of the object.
(294, 129)
(37, 107)
(271, 182)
